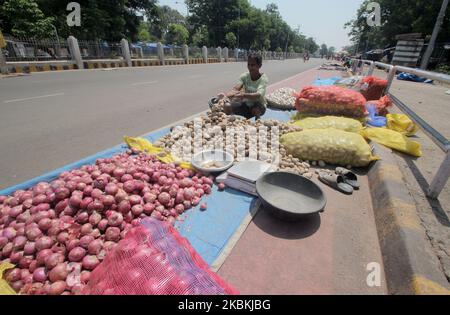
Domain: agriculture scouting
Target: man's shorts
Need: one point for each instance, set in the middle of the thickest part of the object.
(242, 109)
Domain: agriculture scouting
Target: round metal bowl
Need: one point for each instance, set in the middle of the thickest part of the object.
(289, 196)
(222, 159)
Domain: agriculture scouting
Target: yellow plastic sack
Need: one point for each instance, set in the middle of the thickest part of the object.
(329, 145)
(402, 124)
(301, 116)
(5, 289)
(394, 140)
(144, 145)
(327, 122)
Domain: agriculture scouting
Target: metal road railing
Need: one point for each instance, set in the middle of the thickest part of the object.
(441, 178)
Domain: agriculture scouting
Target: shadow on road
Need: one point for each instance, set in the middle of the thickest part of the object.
(287, 230)
(435, 204)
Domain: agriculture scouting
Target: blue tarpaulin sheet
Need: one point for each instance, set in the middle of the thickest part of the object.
(208, 231)
(326, 82)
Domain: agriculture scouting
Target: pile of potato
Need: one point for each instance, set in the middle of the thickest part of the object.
(283, 98)
(216, 120)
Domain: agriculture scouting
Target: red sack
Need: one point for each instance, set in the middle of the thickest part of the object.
(153, 259)
(331, 100)
(382, 105)
(373, 88)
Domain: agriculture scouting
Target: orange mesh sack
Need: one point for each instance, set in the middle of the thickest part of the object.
(383, 105)
(373, 88)
(153, 259)
(331, 100)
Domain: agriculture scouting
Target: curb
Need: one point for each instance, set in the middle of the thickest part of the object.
(410, 265)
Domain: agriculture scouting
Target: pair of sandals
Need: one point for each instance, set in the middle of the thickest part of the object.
(342, 180)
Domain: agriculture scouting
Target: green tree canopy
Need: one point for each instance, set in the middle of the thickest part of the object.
(231, 40)
(397, 17)
(177, 34)
(23, 18)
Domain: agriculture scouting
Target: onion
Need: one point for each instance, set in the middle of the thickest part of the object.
(25, 262)
(124, 206)
(88, 191)
(115, 219)
(23, 217)
(15, 211)
(85, 202)
(96, 193)
(29, 248)
(53, 260)
(149, 208)
(82, 218)
(179, 209)
(75, 201)
(33, 266)
(9, 233)
(3, 242)
(14, 275)
(135, 200)
(119, 172)
(129, 186)
(109, 246)
(61, 206)
(59, 249)
(85, 276)
(42, 256)
(17, 286)
(63, 237)
(111, 189)
(97, 205)
(121, 196)
(86, 229)
(19, 242)
(32, 233)
(24, 273)
(57, 288)
(103, 225)
(45, 224)
(77, 254)
(95, 247)
(95, 219)
(137, 210)
(44, 242)
(40, 275)
(59, 273)
(96, 233)
(39, 199)
(164, 198)
(72, 244)
(15, 257)
(90, 262)
(85, 241)
(107, 200)
(112, 234)
(149, 197)
(189, 194)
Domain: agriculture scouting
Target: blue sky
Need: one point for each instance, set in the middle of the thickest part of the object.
(322, 19)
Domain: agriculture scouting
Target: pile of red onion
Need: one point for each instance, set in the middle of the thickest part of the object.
(57, 233)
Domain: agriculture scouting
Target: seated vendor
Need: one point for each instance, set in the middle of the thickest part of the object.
(248, 98)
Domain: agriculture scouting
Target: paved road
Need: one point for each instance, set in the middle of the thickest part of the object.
(48, 120)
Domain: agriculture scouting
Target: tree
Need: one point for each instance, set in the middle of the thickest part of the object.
(398, 17)
(324, 50)
(177, 34)
(331, 51)
(200, 37)
(231, 40)
(165, 16)
(23, 18)
(144, 33)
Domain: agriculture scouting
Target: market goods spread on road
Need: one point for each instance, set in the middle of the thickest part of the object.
(62, 236)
